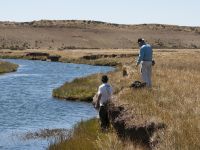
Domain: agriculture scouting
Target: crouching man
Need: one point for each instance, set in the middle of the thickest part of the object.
(104, 96)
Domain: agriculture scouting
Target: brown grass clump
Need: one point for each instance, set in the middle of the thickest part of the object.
(88, 136)
(47, 133)
(84, 136)
(6, 67)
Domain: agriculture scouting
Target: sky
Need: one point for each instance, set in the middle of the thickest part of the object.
(176, 12)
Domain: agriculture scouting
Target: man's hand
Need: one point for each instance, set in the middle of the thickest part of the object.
(96, 106)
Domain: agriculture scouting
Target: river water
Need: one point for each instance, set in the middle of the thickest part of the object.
(27, 105)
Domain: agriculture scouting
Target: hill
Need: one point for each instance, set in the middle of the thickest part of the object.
(82, 34)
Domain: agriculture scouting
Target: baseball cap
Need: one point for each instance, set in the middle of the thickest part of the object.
(140, 40)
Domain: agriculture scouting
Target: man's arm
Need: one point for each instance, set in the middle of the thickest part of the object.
(98, 100)
(141, 56)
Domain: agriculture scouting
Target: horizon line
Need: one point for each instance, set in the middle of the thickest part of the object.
(105, 22)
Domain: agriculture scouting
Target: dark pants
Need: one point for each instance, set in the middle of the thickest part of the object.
(103, 114)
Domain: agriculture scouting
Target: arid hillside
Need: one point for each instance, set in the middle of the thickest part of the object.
(73, 34)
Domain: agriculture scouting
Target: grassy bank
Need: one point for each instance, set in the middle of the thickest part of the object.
(86, 135)
(82, 89)
(173, 100)
(6, 67)
(75, 56)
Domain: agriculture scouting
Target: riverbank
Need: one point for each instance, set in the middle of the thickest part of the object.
(165, 117)
(97, 57)
(88, 136)
(30, 117)
(6, 67)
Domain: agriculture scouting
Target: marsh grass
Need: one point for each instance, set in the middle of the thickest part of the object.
(6, 67)
(73, 56)
(82, 89)
(84, 137)
(87, 135)
(173, 100)
(96, 62)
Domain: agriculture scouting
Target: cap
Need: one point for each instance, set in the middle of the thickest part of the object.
(140, 40)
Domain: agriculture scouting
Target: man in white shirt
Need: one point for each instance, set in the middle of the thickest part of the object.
(104, 96)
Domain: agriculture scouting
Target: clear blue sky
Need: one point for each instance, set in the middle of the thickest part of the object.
(179, 12)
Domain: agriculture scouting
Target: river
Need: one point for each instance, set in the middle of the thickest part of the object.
(27, 105)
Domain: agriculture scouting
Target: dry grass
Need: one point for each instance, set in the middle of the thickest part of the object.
(74, 56)
(87, 136)
(84, 136)
(6, 67)
(64, 34)
(173, 100)
(112, 142)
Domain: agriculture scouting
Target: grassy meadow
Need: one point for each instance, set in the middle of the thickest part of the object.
(173, 100)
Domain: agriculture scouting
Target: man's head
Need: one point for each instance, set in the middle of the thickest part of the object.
(104, 78)
(141, 42)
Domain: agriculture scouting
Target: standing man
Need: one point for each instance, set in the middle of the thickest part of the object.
(104, 96)
(145, 59)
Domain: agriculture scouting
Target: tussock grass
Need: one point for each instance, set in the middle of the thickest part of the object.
(173, 100)
(84, 136)
(6, 67)
(87, 135)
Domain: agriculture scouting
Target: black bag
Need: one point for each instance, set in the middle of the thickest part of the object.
(137, 84)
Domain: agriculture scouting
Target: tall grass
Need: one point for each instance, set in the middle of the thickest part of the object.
(87, 135)
(173, 100)
(84, 137)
